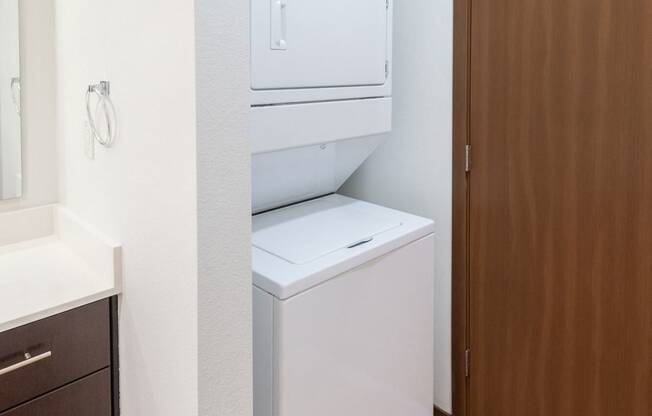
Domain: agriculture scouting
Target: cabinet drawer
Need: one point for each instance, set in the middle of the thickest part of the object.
(63, 348)
(90, 396)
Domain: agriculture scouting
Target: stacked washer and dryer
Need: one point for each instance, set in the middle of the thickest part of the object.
(343, 289)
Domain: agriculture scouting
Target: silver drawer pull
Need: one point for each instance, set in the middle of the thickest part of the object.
(29, 360)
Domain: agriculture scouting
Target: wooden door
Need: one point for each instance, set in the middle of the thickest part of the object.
(560, 210)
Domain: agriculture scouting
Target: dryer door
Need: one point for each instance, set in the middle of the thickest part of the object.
(318, 43)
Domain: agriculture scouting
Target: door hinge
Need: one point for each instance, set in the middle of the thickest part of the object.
(386, 69)
(467, 363)
(467, 158)
(387, 4)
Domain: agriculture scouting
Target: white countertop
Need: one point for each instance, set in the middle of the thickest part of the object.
(44, 276)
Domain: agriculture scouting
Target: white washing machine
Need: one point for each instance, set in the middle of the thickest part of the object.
(343, 289)
(343, 310)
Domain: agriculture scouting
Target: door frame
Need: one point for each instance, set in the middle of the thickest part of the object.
(461, 180)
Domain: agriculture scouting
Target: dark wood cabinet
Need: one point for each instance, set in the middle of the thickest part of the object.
(90, 396)
(62, 365)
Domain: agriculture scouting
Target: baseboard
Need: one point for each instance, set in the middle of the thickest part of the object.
(438, 412)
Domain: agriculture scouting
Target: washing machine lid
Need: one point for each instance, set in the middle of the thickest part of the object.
(302, 234)
(301, 246)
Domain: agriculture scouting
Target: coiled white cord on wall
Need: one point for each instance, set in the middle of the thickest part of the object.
(104, 104)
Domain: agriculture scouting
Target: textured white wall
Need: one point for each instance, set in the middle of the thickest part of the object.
(142, 192)
(412, 170)
(174, 191)
(39, 144)
(224, 208)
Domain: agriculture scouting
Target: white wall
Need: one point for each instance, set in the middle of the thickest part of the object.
(224, 208)
(142, 192)
(179, 166)
(412, 171)
(39, 144)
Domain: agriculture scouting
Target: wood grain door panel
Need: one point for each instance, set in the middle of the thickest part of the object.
(561, 208)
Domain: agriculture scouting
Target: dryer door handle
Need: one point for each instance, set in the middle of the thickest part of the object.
(279, 23)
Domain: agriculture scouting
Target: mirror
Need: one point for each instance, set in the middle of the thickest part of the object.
(10, 109)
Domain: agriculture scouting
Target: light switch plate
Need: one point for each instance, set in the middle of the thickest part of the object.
(88, 142)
